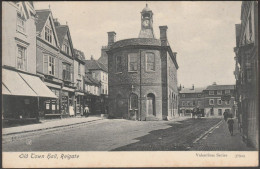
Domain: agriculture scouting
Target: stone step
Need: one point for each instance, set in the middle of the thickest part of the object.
(151, 118)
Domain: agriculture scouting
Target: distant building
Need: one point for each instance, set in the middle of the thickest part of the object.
(99, 73)
(23, 91)
(208, 99)
(142, 74)
(190, 99)
(213, 105)
(246, 72)
(79, 77)
(92, 93)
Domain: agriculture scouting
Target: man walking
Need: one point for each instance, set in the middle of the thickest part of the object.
(230, 124)
(225, 114)
(86, 111)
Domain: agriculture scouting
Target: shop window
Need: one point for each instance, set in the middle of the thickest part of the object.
(66, 71)
(118, 64)
(132, 62)
(20, 23)
(21, 58)
(150, 62)
(227, 91)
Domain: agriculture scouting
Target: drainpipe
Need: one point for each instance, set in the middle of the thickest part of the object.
(140, 86)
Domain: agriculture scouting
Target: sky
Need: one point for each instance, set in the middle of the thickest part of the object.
(202, 33)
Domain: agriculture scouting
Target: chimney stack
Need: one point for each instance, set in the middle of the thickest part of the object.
(214, 83)
(192, 86)
(56, 22)
(91, 57)
(163, 35)
(111, 37)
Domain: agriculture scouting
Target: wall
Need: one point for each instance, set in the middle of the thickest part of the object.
(9, 33)
(121, 83)
(172, 87)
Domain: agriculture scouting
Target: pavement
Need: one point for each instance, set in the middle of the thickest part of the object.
(48, 124)
(219, 139)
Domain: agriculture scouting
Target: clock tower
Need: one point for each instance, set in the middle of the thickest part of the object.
(146, 23)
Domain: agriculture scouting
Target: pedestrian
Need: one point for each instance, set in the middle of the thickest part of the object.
(86, 111)
(225, 114)
(230, 122)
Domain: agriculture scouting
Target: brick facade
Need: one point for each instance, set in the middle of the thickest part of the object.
(142, 93)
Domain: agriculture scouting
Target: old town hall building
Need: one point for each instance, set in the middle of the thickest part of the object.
(142, 74)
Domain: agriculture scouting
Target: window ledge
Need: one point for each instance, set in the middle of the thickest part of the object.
(150, 71)
(21, 32)
(118, 72)
(132, 71)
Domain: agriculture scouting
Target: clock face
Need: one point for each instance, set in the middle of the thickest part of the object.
(146, 23)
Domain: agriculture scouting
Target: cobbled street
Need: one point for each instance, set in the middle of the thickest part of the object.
(118, 135)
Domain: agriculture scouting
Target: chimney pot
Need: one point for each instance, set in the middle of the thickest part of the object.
(111, 37)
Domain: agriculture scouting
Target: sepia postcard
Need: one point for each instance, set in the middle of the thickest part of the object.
(130, 84)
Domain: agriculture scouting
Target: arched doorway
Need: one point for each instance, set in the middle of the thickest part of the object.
(133, 107)
(151, 104)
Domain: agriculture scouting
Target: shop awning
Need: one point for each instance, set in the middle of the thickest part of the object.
(15, 84)
(79, 93)
(38, 86)
(20, 84)
(68, 89)
(5, 90)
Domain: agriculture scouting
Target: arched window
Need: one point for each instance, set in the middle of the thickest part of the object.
(133, 101)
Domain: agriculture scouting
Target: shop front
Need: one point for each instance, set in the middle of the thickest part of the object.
(79, 103)
(67, 102)
(22, 96)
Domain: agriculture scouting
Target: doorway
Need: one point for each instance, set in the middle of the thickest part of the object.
(151, 104)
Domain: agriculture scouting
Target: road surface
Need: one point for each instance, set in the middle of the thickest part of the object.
(117, 135)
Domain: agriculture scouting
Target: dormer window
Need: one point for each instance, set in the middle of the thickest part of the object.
(211, 92)
(48, 34)
(65, 46)
(219, 92)
(20, 23)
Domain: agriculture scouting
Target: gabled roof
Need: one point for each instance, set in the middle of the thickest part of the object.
(90, 80)
(220, 87)
(196, 90)
(42, 18)
(61, 32)
(79, 54)
(95, 65)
